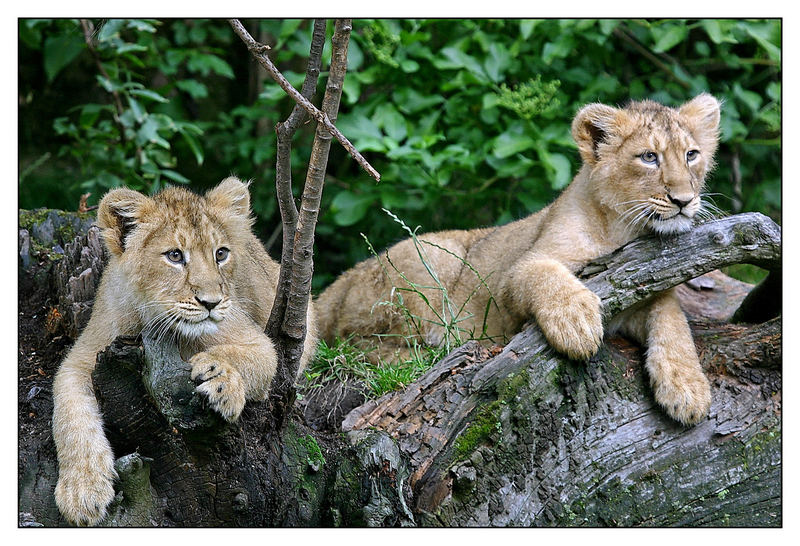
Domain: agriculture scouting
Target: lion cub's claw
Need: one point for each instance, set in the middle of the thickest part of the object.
(575, 327)
(220, 383)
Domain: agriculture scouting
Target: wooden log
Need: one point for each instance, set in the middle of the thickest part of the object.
(527, 437)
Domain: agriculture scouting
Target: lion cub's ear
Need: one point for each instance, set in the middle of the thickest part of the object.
(702, 115)
(593, 125)
(118, 213)
(231, 195)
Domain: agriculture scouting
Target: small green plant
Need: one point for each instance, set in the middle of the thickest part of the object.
(343, 362)
(447, 314)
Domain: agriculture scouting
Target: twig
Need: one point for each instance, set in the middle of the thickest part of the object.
(287, 322)
(259, 51)
(283, 176)
(87, 35)
(649, 55)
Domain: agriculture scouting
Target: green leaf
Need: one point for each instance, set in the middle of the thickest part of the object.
(411, 101)
(59, 51)
(768, 37)
(89, 114)
(29, 34)
(752, 100)
(205, 63)
(147, 94)
(560, 166)
(718, 33)
(195, 89)
(148, 133)
(409, 66)
(138, 112)
(125, 47)
(559, 49)
(140, 25)
(351, 89)
(497, 61)
(357, 126)
(194, 146)
(607, 26)
(668, 36)
(510, 167)
(511, 142)
(348, 207)
(391, 121)
(526, 27)
(175, 176)
(455, 58)
(110, 29)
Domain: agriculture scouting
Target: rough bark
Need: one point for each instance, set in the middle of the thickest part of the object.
(287, 324)
(526, 437)
(512, 436)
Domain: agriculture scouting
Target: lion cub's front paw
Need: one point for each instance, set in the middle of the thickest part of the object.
(684, 393)
(83, 496)
(221, 384)
(573, 326)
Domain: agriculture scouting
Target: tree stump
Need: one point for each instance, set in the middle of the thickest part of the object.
(489, 436)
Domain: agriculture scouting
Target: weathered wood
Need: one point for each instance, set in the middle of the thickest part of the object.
(526, 437)
(202, 471)
(516, 436)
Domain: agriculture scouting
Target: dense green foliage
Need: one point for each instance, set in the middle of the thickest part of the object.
(467, 120)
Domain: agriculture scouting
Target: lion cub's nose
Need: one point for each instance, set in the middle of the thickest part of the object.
(208, 304)
(681, 200)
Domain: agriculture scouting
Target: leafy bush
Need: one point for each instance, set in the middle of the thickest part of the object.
(467, 120)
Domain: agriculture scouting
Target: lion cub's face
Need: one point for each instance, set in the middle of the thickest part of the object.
(649, 162)
(179, 251)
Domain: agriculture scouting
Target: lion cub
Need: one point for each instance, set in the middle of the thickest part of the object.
(184, 267)
(643, 169)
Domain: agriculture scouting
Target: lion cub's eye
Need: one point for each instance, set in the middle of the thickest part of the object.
(175, 256)
(691, 155)
(651, 158)
(221, 254)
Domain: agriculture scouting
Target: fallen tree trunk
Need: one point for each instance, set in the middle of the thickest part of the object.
(518, 436)
(527, 437)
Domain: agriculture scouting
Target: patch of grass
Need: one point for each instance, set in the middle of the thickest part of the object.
(344, 361)
(446, 313)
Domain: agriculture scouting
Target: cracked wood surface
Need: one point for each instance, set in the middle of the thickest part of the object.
(572, 437)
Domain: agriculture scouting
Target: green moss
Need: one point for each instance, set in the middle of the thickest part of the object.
(487, 421)
(312, 450)
(64, 225)
(757, 444)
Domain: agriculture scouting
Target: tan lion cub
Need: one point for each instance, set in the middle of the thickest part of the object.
(182, 266)
(643, 169)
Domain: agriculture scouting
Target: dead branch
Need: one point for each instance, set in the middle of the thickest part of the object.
(259, 51)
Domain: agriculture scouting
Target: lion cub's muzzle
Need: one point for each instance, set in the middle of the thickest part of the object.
(673, 213)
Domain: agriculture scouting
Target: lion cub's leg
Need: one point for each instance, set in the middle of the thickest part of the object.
(678, 382)
(86, 472)
(567, 312)
(231, 372)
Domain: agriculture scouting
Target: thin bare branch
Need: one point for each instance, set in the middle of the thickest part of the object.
(302, 268)
(259, 51)
(283, 176)
(87, 36)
